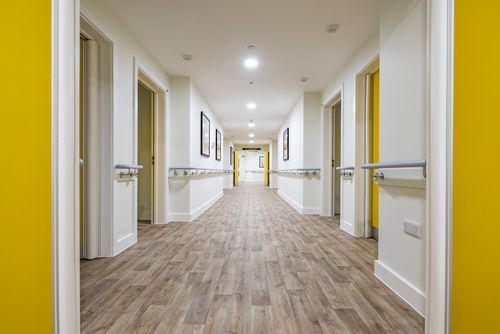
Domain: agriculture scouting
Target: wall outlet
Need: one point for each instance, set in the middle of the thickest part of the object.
(412, 228)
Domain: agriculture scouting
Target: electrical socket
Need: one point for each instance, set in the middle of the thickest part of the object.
(412, 228)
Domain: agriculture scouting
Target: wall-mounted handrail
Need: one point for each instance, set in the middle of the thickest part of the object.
(132, 170)
(345, 168)
(190, 171)
(346, 171)
(127, 166)
(299, 171)
(398, 164)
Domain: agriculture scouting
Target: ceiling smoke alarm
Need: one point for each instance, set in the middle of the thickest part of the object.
(304, 79)
(187, 57)
(332, 28)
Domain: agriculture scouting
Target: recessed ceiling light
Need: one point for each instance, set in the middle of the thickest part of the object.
(186, 57)
(251, 106)
(251, 141)
(251, 135)
(251, 63)
(251, 124)
(332, 28)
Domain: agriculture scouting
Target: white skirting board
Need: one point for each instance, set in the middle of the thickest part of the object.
(124, 243)
(290, 201)
(347, 227)
(404, 289)
(189, 217)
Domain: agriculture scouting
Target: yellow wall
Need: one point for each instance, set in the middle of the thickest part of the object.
(476, 221)
(25, 167)
(375, 141)
(266, 169)
(236, 168)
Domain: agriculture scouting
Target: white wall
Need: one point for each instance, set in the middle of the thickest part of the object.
(204, 190)
(303, 122)
(228, 179)
(125, 48)
(403, 101)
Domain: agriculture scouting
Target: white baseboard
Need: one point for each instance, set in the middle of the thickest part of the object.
(124, 243)
(290, 201)
(404, 289)
(189, 217)
(197, 212)
(347, 227)
(311, 211)
(179, 217)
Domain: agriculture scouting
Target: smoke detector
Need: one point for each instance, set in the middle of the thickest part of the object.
(186, 57)
(332, 28)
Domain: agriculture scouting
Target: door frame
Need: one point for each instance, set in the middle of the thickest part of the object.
(440, 43)
(160, 186)
(334, 125)
(327, 150)
(362, 183)
(106, 169)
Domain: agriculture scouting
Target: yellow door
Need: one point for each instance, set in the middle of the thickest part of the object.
(375, 80)
(236, 167)
(266, 169)
(476, 156)
(25, 168)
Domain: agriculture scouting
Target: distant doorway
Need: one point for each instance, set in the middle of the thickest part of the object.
(145, 154)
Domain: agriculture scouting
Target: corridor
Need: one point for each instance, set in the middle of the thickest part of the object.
(249, 264)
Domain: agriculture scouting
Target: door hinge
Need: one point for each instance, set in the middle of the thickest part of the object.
(153, 160)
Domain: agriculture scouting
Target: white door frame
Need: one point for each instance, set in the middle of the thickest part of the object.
(440, 26)
(327, 149)
(160, 188)
(104, 133)
(65, 166)
(362, 183)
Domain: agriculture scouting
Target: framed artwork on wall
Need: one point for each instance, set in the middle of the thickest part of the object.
(218, 145)
(261, 161)
(205, 135)
(231, 157)
(286, 146)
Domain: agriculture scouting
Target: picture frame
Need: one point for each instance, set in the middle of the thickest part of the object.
(218, 145)
(286, 144)
(231, 156)
(261, 161)
(205, 135)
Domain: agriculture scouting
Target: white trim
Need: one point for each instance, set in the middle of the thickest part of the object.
(440, 140)
(404, 289)
(290, 201)
(311, 211)
(105, 133)
(65, 166)
(189, 217)
(204, 207)
(326, 149)
(161, 188)
(124, 243)
(347, 227)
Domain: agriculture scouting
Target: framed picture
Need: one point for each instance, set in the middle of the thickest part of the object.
(218, 145)
(205, 135)
(261, 161)
(231, 156)
(286, 146)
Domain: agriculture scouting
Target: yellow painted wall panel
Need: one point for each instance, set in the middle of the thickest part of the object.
(476, 221)
(25, 167)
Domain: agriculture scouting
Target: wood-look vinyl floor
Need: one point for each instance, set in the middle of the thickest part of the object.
(249, 264)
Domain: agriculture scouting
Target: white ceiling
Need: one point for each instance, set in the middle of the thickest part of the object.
(290, 38)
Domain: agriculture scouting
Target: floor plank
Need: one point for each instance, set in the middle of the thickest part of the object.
(249, 264)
